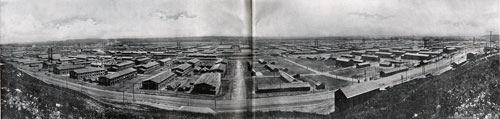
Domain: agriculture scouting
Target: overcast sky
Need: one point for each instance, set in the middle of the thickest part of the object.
(375, 17)
(42, 20)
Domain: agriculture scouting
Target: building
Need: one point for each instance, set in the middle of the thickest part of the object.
(194, 62)
(183, 69)
(449, 50)
(111, 79)
(158, 81)
(370, 58)
(384, 50)
(208, 83)
(91, 73)
(203, 55)
(319, 85)
(65, 69)
(357, 53)
(121, 66)
(130, 53)
(393, 71)
(144, 60)
(33, 64)
(283, 87)
(221, 61)
(186, 85)
(371, 51)
(343, 62)
(458, 63)
(357, 61)
(287, 77)
(49, 65)
(177, 84)
(432, 54)
(398, 53)
(157, 56)
(148, 68)
(347, 56)
(274, 68)
(261, 61)
(361, 65)
(414, 56)
(383, 54)
(411, 50)
(350, 96)
(220, 68)
(395, 62)
(166, 62)
(224, 47)
(385, 64)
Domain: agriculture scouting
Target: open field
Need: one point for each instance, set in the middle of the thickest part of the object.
(330, 83)
(268, 80)
(320, 65)
(292, 68)
(359, 73)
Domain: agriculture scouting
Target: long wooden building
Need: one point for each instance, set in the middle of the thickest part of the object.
(65, 69)
(148, 68)
(158, 81)
(87, 73)
(121, 66)
(111, 79)
(183, 69)
(283, 87)
(393, 71)
(208, 83)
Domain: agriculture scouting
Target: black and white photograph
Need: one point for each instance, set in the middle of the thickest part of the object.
(250, 59)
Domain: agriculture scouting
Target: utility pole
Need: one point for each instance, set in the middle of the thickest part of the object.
(123, 94)
(437, 69)
(81, 88)
(423, 68)
(215, 101)
(407, 70)
(365, 74)
(66, 82)
(490, 41)
(473, 40)
(133, 91)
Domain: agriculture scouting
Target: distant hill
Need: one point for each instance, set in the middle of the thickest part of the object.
(486, 37)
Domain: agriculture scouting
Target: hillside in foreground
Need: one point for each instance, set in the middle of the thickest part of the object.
(473, 90)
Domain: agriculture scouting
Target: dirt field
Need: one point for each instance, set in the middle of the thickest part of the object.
(320, 65)
(280, 61)
(372, 71)
(268, 80)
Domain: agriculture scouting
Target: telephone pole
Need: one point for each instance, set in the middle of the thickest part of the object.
(133, 92)
(490, 40)
(123, 94)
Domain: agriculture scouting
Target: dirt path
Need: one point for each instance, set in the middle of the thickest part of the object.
(239, 90)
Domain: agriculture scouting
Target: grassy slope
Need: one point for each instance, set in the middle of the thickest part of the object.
(471, 91)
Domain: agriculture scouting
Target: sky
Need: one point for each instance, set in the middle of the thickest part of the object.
(44, 20)
(375, 17)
